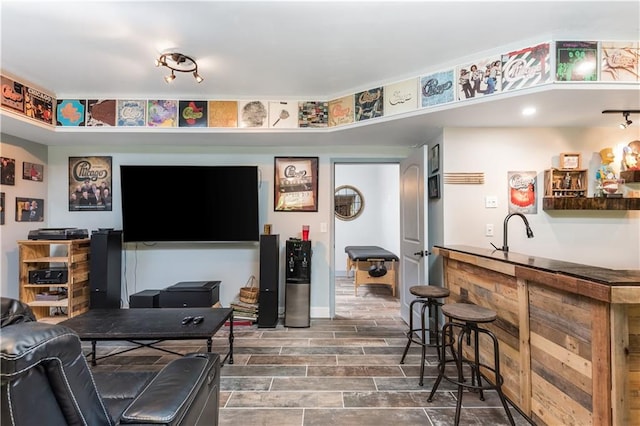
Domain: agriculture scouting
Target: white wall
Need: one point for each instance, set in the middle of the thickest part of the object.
(159, 265)
(601, 238)
(21, 151)
(379, 223)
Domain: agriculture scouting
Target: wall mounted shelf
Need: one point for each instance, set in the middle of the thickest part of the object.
(583, 203)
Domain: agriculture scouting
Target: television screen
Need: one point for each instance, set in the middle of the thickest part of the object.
(189, 203)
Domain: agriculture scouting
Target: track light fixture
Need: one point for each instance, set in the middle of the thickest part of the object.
(178, 62)
(625, 116)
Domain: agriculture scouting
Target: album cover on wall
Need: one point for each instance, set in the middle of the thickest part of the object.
(401, 97)
(283, 114)
(369, 104)
(223, 113)
(526, 67)
(29, 209)
(71, 112)
(90, 184)
(131, 113)
(2, 208)
(341, 111)
(313, 114)
(101, 112)
(253, 114)
(479, 78)
(192, 114)
(437, 88)
(620, 61)
(162, 113)
(12, 94)
(576, 60)
(38, 105)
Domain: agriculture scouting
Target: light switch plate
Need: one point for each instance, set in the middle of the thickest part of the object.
(491, 202)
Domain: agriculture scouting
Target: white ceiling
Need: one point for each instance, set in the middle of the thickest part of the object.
(302, 50)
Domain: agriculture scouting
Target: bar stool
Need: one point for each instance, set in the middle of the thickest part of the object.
(466, 317)
(427, 296)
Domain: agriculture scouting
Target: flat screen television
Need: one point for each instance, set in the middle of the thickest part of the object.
(189, 203)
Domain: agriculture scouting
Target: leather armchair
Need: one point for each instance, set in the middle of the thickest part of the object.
(46, 379)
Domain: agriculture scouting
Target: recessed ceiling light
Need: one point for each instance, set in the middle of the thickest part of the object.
(528, 111)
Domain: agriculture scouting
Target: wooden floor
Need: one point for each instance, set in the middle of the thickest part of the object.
(344, 371)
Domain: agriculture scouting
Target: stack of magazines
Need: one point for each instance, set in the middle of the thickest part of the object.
(244, 311)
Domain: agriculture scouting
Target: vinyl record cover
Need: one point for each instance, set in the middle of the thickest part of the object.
(223, 113)
(479, 78)
(526, 67)
(401, 97)
(620, 61)
(253, 114)
(192, 114)
(313, 114)
(12, 94)
(437, 88)
(131, 113)
(38, 105)
(576, 60)
(369, 104)
(162, 113)
(90, 183)
(101, 112)
(341, 111)
(71, 112)
(283, 114)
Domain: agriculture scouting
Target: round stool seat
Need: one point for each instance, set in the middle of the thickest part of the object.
(431, 291)
(469, 312)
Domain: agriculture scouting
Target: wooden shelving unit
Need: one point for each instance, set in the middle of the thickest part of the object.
(565, 183)
(72, 255)
(583, 203)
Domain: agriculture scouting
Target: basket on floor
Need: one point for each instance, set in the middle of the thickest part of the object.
(249, 293)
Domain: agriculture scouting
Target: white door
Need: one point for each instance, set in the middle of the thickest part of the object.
(413, 229)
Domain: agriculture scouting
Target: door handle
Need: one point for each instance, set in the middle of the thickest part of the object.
(422, 253)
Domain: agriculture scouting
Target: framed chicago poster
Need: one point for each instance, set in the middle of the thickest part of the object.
(296, 184)
(90, 183)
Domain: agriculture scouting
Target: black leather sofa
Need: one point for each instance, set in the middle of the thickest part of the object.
(46, 380)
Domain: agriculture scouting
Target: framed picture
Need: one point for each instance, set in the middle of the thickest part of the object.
(434, 159)
(90, 184)
(570, 160)
(1, 208)
(434, 186)
(29, 209)
(32, 171)
(296, 184)
(7, 171)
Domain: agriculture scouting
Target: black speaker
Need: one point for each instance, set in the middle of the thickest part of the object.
(269, 280)
(106, 269)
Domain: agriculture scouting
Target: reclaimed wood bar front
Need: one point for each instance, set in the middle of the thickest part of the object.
(569, 333)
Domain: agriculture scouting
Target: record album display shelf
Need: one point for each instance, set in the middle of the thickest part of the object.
(45, 296)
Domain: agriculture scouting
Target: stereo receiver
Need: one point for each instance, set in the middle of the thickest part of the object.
(49, 276)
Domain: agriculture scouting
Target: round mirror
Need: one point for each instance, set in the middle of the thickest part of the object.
(349, 202)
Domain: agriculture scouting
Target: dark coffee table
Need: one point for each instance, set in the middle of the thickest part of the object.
(141, 325)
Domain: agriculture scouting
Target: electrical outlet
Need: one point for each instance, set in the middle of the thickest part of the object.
(488, 230)
(323, 226)
(491, 202)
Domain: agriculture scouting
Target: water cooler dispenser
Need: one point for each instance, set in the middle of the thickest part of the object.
(297, 297)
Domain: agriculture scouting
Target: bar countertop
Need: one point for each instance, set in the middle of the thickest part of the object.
(611, 277)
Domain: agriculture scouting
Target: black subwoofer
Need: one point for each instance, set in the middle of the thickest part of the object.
(105, 277)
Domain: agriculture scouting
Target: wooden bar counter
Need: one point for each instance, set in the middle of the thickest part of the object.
(569, 333)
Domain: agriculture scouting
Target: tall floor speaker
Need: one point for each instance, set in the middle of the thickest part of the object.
(269, 280)
(106, 269)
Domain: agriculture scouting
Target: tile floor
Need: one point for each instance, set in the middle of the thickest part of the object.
(339, 372)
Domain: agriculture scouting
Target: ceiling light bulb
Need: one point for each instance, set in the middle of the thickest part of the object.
(157, 62)
(170, 78)
(622, 126)
(528, 111)
(197, 76)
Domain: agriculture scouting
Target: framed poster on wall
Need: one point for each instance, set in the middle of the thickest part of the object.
(90, 183)
(434, 159)
(296, 184)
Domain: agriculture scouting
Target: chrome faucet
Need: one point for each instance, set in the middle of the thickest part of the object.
(505, 245)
